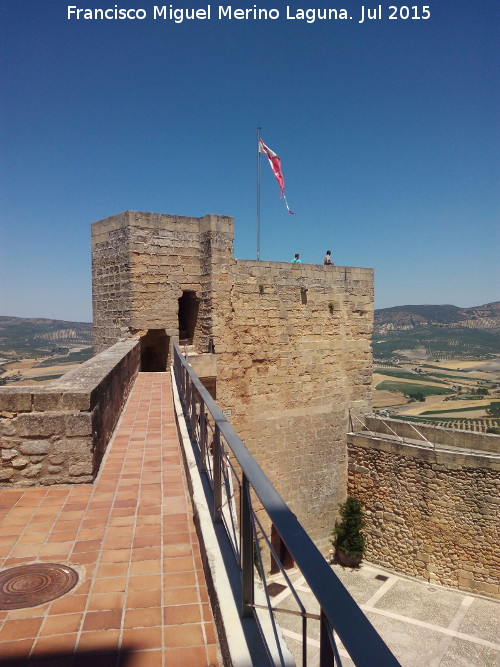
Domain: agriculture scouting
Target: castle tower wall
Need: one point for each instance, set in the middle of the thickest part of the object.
(142, 263)
(111, 280)
(291, 343)
(293, 346)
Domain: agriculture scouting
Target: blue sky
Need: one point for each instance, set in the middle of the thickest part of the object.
(387, 132)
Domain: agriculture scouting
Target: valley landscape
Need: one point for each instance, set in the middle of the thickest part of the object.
(430, 363)
(40, 350)
(439, 364)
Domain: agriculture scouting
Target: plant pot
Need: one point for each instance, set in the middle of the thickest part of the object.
(348, 560)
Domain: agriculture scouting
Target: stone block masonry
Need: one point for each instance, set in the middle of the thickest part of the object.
(142, 263)
(293, 357)
(433, 511)
(287, 349)
(58, 433)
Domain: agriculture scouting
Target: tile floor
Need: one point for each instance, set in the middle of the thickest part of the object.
(141, 599)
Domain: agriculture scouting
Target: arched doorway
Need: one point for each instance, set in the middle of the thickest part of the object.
(154, 351)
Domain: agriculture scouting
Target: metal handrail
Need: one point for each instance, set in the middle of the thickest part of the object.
(339, 611)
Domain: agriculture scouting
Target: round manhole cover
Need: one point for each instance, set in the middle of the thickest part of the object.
(30, 585)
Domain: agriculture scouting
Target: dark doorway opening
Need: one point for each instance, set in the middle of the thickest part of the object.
(154, 351)
(285, 557)
(210, 385)
(189, 305)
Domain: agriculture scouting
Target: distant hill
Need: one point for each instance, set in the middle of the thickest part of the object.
(437, 331)
(423, 331)
(483, 317)
(36, 337)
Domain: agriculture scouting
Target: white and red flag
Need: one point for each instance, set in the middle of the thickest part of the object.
(275, 163)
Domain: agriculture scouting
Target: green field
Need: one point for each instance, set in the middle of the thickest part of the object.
(31, 338)
(71, 358)
(407, 375)
(439, 342)
(445, 412)
(41, 378)
(408, 388)
(464, 370)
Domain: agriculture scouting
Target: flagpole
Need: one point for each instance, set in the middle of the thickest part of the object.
(258, 193)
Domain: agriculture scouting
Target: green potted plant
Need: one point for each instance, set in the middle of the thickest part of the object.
(347, 538)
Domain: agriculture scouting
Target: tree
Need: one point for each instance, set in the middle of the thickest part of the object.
(347, 536)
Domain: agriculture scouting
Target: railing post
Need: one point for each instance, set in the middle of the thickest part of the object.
(246, 551)
(217, 476)
(189, 389)
(326, 654)
(193, 413)
(182, 378)
(203, 437)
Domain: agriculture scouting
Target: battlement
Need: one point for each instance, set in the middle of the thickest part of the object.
(104, 230)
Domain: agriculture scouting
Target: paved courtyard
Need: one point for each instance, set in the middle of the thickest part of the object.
(424, 625)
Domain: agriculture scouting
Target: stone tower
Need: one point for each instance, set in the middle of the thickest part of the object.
(286, 348)
(147, 269)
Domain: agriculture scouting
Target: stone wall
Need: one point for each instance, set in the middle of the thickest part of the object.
(111, 276)
(58, 433)
(436, 434)
(433, 512)
(293, 356)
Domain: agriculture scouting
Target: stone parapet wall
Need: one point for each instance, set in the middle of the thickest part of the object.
(204, 365)
(436, 434)
(58, 433)
(432, 513)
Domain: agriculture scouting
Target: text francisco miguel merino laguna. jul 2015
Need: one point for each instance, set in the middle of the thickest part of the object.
(254, 13)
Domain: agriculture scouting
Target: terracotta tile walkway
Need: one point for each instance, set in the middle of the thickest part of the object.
(141, 599)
